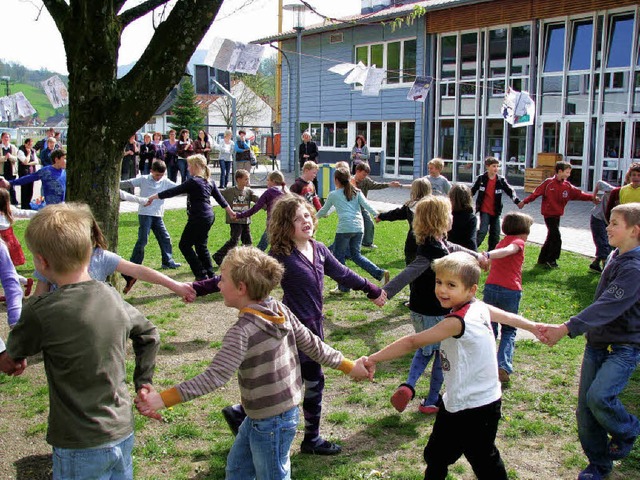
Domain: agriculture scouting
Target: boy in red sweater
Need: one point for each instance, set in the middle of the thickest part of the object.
(556, 193)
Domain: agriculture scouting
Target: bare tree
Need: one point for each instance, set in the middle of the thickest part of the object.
(248, 105)
(105, 111)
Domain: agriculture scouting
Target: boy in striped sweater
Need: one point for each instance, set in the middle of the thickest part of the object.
(263, 347)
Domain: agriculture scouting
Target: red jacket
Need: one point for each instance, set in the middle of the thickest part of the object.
(555, 195)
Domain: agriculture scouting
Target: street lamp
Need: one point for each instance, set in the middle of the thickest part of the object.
(5, 79)
(298, 9)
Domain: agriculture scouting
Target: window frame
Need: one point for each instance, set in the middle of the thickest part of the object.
(404, 79)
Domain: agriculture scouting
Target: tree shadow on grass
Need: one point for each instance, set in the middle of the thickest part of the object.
(34, 467)
(182, 348)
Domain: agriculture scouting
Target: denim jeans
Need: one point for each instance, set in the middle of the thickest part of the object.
(261, 449)
(349, 243)
(147, 223)
(264, 240)
(225, 168)
(182, 167)
(369, 228)
(491, 224)
(112, 462)
(422, 357)
(604, 375)
(600, 238)
(509, 301)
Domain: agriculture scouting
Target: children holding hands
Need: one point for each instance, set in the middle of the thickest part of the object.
(270, 388)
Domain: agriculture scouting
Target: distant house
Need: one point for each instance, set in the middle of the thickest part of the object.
(159, 121)
(251, 109)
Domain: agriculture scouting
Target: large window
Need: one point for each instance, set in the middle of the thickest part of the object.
(398, 58)
(620, 41)
(581, 41)
(327, 134)
(554, 48)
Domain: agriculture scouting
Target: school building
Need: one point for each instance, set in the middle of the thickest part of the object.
(578, 59)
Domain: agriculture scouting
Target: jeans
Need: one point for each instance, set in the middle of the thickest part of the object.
(369, 228)
(550, 251)
(147, 223)
(182, 167)
(261, 449)
(225, 168)
(422, 357)
(172, 170)
(350, 243)
(600, 238)
(264, 240)
(195, 236)
(111, 462)
(604, 375)
(239, 232)
(509, 301)
(491, 224)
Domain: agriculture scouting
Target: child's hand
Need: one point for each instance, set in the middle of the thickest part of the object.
(149, 401)
(551, 334)
(370, 366)
(377, 219)
(359, 371)
(395, 184)
(381, 300)
(186, 291)
(521, 205)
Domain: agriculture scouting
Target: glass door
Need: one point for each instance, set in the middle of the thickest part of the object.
(399, 149)
(614, 159)
(574, 152)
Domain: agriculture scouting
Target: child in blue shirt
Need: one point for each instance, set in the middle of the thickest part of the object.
(53, 178)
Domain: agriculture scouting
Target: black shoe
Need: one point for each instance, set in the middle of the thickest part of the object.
(324, 448)
(551, 264)
(171, 265)
(595, 267)
(234, 418)
(217, 258)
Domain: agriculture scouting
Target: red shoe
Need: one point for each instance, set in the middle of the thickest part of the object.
(428, 409)
(402, 396)
(28, 287)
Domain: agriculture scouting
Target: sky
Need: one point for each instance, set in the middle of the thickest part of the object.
(37, 43)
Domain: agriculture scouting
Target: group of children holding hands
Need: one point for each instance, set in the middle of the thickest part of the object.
(277, 347)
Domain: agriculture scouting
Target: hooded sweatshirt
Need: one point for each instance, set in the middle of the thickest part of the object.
(614, 316)
(263, 347)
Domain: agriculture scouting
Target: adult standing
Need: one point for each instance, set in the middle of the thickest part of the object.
(147, 154)
(9, 162)
(202, 145)
(359, 153)
(308, 152)
(171, 156)
(157, 142)
(185, 150)
(226, 147)
(45, 153)
(27, 161)
(243, 152)
(129, 161)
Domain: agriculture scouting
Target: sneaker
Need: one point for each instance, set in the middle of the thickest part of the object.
(427, 409)
(28, 287)
(130, 283)
(595, 267)
(324, 448)
(172, 265)
(592, 472)
(619, 449)
(234, 418)
(402, 396)
(385, 277)
(372, 246)
(553, 264)
(337, 291)
(503, 376)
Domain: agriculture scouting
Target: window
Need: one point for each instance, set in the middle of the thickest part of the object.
(327, 134)
(520, 49)
(398, 58)
(620, 40)
(497, 52)
(581, 45)
(554, 48)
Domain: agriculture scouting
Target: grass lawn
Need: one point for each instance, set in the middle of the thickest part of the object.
(537, 436)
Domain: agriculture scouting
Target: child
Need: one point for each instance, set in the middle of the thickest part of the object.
(439, 184)
(503, 288)
(10, 281)
(53, 178)
(467, 422)
(420, 188)
(7, 213)
(598, 225)
(348, 202)
(606, 429)
(556, 193)
(150, 217)
(304, 184)
(306, 262)
(431, 222)
(632, 177)
(631, 192)
(490, 186)
(201, 217)
(239, 197)
(275, 188)
(82, 329)
(362, 181)
(464, 225)
(104, 263)
(266, 338)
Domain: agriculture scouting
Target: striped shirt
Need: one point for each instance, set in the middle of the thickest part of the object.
(263, 347)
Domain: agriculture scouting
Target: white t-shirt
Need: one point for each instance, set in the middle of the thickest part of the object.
(469, 361)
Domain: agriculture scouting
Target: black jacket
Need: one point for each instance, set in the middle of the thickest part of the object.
(501, 186)
(310, 148)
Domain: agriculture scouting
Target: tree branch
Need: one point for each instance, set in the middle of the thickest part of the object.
(59, 11)
(138, 11)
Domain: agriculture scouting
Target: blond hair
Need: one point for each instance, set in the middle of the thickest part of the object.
(342, 164)
(309, 165)
(61, 234)
(432, 218)
(630, 213)
(420, 188)
(276, 177)
(460, 265)
(281, 223)
(437, 163)
(257, 270)
(200, 162)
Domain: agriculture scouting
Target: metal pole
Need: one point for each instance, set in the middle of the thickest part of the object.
(296, 134)
(291, 138)
(233, 123)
